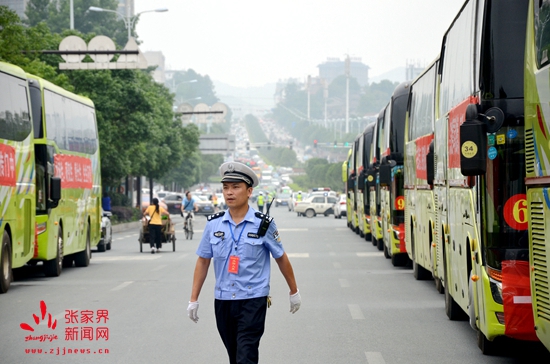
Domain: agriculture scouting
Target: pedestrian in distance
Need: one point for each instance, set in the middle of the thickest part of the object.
(240, 240)
(260, 200)
(154, 214)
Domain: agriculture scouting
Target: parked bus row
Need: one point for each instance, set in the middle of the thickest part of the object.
(453, 177)
(50, 182)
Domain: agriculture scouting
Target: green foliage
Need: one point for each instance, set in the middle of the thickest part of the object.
(319, 173)
(376, 96)
(55, 14)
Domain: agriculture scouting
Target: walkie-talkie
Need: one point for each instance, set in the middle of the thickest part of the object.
(266, 220)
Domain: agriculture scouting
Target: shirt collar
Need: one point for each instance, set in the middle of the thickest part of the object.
(248, 217)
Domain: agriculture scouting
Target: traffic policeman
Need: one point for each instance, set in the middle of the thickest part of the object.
(260, 201)
(240, 240)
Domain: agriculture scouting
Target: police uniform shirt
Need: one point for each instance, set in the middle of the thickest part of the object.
(252, 279)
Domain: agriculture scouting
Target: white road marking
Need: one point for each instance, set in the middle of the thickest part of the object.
(298, 255)
(344, 283)
(159, 268)
(332, 254)
(374, 357)
(356, 312)
(121, 286)
(337, 265)
(369, 254)
(291, 229)
(126, 257)
(183, 256)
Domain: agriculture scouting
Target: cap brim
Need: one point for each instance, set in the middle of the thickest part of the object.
(235, 179)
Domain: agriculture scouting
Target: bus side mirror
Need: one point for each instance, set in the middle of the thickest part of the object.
(430, 164)
(385, 172)
(55, 191)
(473, 143)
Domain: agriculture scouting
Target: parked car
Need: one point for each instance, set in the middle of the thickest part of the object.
(340, 207)
(145, 202)
(316, 204)
(173, 203)
(205, 206)
(106, 232)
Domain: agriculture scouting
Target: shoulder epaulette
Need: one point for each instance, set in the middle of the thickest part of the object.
(259, 215)
(215, 216)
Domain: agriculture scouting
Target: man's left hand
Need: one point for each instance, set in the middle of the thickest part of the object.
(295, 301)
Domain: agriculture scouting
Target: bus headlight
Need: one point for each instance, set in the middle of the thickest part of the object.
(496, 290)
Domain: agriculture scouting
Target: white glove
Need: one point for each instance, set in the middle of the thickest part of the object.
(192, 311)
(295, 301)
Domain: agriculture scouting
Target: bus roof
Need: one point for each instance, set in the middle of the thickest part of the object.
(45, 84)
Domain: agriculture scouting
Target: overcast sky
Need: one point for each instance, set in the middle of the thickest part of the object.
(254, 42)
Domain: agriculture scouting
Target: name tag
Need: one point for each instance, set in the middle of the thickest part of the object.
(233, 266)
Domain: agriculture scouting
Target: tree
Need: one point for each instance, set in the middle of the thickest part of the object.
(56, 14)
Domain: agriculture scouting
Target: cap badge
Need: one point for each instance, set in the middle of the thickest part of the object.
(230, 167)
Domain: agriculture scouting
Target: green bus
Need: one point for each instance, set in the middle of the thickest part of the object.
(537, 161)
(66, 147)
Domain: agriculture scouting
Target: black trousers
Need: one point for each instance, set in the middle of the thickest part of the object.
(241, 326)
(154, 235)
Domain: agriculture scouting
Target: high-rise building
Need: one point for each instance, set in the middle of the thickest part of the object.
(124, 5)
(334, 67)
(18, 6)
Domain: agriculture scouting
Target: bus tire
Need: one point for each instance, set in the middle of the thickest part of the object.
(487, 347)
(373, 241)
(380, 244)
(5, 263)
(82, 259)
(452, 309)
(385, 248)
(53, 267)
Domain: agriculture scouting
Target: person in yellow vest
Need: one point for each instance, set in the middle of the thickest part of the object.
(299, 196)
(215, 202)
(260, 202)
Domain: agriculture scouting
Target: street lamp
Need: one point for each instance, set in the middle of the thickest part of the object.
(129, 21)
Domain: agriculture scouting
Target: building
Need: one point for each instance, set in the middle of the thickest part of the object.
(334, 67)
(124, 5)
(18, 6)
(156, 58)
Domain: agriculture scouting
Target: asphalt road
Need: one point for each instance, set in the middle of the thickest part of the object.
(356, 308)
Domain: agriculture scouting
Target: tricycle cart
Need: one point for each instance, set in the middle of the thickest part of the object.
(168, 233)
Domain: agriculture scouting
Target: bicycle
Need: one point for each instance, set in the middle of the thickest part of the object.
(188, 225)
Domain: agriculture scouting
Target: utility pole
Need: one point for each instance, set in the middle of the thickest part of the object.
(308, 98)
(347, 92)
(71, 14)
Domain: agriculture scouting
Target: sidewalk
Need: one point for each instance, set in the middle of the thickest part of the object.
(127, 226)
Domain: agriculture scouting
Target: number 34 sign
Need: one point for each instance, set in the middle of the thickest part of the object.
(515, 212)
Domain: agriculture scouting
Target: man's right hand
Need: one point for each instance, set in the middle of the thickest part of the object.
(192, 311)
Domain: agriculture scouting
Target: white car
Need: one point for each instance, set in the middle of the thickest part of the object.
(106, 232)
(340, 207)
(316, 204)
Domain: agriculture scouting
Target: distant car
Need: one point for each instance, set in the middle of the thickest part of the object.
(145, 202)
(282, 199)
(162, 194)
(106, 232)
(340, 207)
(204, 205)
(173, 203)
(314, 205)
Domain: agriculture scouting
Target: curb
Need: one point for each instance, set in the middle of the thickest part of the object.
(126, 226)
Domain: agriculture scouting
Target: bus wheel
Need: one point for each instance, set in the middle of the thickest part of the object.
(487, 347)
(385, 248)
(439, 285)
(374, 241)
(380, 245)
(452, 309)
(5, 263)
(82, 259)
(53, 267)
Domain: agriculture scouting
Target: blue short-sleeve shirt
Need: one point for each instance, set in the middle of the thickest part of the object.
(252, 279)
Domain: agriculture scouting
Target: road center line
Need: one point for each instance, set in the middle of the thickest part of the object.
(344, 283)
(122, 285)
(337, 265)
(159, 267)
(369, 254)
(356, 312)
(298, 255)
(374, 357)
